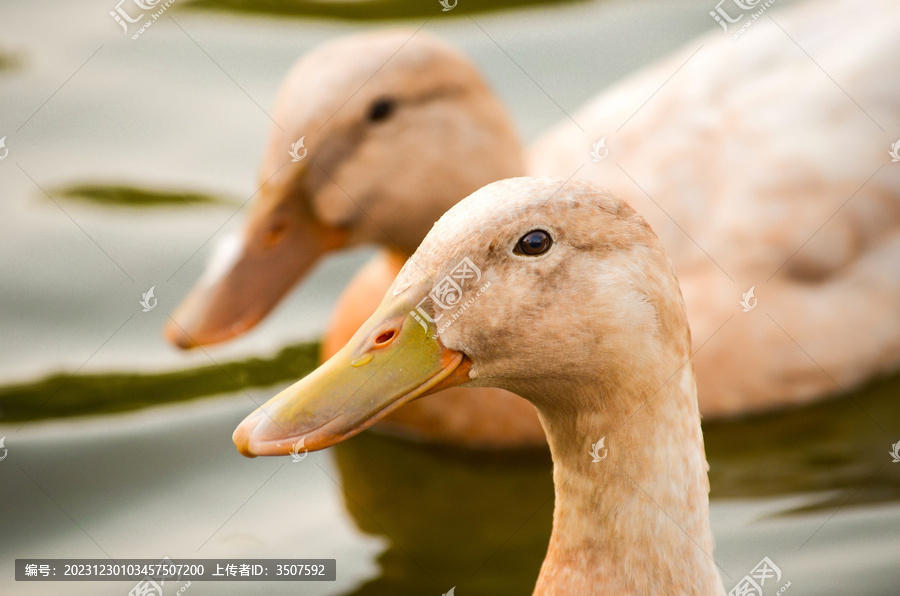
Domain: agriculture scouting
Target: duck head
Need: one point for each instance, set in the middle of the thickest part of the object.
(396, 127)
(533, 285)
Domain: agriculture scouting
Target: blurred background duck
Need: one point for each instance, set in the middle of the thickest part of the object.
(363, 180)
(613, 363)
(733, 161)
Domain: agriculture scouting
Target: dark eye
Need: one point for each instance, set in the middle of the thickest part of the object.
(535, 242)
(381, 109)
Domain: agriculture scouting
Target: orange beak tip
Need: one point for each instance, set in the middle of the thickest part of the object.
(176, 336)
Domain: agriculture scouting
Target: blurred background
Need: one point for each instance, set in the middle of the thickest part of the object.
(129, 158)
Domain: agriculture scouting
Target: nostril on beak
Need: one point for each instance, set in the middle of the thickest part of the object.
(385, 338)
(274, 235)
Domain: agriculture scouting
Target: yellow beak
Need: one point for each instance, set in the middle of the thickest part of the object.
(395, 357)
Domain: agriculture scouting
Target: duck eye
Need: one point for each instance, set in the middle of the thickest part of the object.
(535, 242)
(381, 109)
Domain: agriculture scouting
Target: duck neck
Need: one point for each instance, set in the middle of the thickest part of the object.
(637, 521)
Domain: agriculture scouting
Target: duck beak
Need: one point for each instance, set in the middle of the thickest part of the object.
(248, 276)
(393, 359)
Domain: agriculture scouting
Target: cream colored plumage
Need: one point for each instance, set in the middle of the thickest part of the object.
(764, 163)
(758, 163)
(592, 330)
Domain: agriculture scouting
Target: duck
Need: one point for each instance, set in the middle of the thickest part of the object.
(736, 151)
(612, 368)
(393, 98)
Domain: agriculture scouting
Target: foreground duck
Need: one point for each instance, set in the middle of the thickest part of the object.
(743, 155)
(613, 364)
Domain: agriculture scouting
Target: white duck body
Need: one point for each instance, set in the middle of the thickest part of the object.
(763, 162)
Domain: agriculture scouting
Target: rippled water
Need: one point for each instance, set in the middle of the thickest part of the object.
(156, 120)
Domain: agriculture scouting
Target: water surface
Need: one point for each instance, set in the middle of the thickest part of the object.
(121, 446)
